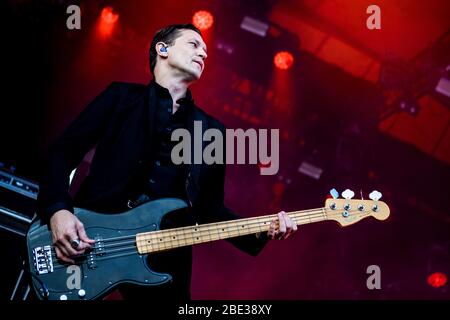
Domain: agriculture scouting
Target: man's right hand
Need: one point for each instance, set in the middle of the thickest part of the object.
(65, 228)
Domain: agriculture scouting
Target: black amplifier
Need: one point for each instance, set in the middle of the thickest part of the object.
(17, 208)
(18, 194)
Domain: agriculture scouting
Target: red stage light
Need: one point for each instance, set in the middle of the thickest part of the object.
(283, 60)
(203, 20)
(107, 21)
(108, 15)
(437, 279)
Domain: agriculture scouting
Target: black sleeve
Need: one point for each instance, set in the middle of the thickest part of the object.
(66, 153)
(219, 212)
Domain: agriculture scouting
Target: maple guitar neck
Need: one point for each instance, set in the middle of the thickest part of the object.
(345, 211)
(149, 242)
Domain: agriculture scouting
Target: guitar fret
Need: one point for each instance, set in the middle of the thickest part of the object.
(324, 214)
(160, 242)
(204, 234)
(194, 235)
(220, 235)
(237, 229)
(185, 243)
(217, 229)
(173, 239)
(209, 233)
(228, 231)
(259, 225)
(189, 237)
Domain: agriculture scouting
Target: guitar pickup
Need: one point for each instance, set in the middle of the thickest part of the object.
(99, 246)
(98, 250)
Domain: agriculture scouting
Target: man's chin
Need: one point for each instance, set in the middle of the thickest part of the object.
(195, 75)
(191, 74)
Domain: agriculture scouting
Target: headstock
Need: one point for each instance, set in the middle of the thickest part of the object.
(348, 211)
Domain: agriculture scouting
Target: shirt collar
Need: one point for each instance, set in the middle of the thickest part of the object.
(162, 92)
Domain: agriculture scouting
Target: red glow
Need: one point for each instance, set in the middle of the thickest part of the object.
(107, 21)
(283, 60)
(108, 15)
(437, 279)
(278, 189)
(203, 20)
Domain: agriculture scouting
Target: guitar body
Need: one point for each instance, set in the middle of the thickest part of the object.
(113, 260)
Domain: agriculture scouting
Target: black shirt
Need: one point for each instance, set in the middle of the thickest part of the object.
(160, 177)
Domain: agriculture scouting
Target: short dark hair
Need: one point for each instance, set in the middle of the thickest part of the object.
(167, 35)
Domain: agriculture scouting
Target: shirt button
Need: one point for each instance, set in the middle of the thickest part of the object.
(158, 163)
(152, 181)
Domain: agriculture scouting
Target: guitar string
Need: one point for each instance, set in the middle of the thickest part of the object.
(200, 233)
(300, 217)
(294, 214)
(169, 242)
(122, 251)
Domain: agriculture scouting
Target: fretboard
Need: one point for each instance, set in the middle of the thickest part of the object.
(162, 240)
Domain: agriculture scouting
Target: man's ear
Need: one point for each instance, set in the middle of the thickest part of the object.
(161, 49)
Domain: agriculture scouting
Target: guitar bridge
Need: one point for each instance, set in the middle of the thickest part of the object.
(43, 261)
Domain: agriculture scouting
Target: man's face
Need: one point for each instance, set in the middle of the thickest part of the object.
(188, 54)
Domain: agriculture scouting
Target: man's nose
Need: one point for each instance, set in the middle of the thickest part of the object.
(203, 55)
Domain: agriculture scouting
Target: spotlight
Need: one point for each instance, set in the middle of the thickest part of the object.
(108, 15)
(437, 279)
(203, 20)
(108, 20)
(283, 60)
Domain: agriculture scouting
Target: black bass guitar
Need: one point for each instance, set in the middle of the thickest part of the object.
(122, 242)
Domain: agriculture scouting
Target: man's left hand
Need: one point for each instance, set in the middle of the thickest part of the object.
(281, 228)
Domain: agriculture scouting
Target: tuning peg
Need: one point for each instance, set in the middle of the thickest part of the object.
(348, 194)
(334, 193)
(375, 195)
